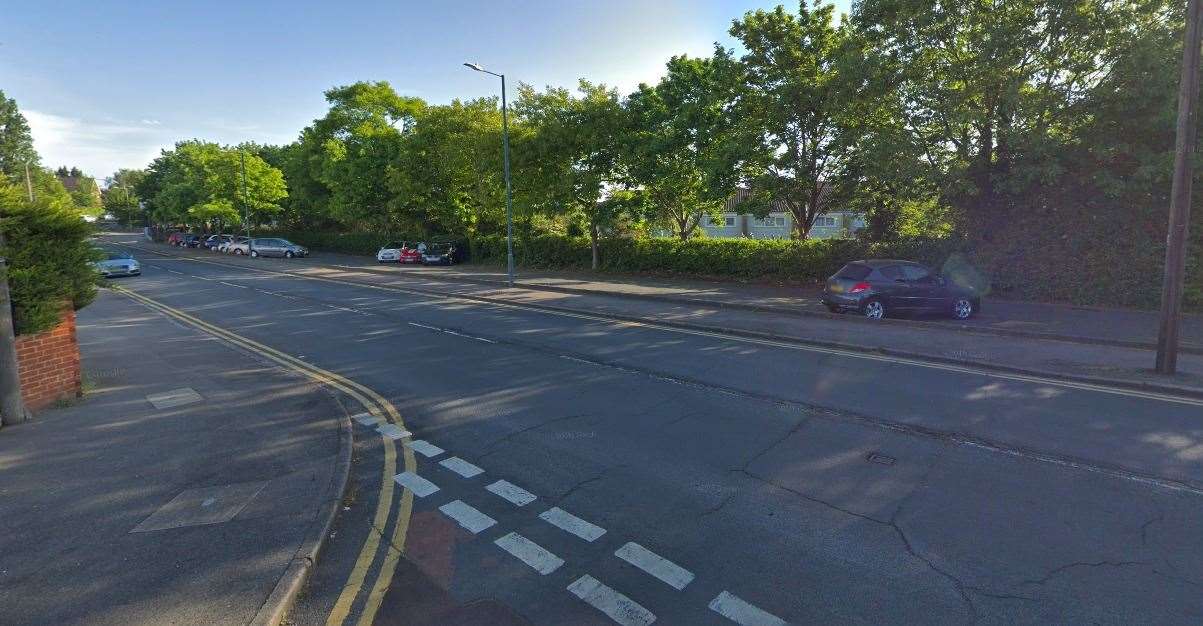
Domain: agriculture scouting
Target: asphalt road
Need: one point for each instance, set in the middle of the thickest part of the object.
(754, 480)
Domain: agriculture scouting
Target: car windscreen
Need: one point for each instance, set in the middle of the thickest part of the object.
(854, 271)
(118, 257)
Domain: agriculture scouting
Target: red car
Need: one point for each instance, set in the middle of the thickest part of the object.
(174, 239)
(401, 252)
(411, 253)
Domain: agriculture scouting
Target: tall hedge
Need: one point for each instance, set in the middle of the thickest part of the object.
(49, 257)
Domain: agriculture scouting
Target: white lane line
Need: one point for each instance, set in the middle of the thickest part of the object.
(670, 573)
(570, 523)
(174, 272)
(472, 520)
(367, 419)
(742, 612)
(233, 285)
(425, 448)
(420, 486)
(393, 431)
(512, 493)
(452, 332)
(618, 607)
(461, 467)
(530, 553)
(425, 326)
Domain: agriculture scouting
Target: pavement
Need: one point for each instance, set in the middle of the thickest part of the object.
(181, 489)
(571, 467)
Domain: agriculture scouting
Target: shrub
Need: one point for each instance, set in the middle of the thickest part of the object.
(49, 257)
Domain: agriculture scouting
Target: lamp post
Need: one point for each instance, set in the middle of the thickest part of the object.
(509, 198)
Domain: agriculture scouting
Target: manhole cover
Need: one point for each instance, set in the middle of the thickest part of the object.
(206, 505)
(175, 397)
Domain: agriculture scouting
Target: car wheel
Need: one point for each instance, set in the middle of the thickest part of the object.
(963, 308)
(288, 254)
(874, 309)
(238, 252)
(255, 254)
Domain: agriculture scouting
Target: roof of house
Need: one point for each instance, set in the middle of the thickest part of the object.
(743, 193)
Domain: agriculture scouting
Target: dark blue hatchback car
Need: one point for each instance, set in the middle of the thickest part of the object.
(880, 287)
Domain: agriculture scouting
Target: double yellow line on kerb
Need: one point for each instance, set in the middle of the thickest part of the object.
(378, 406)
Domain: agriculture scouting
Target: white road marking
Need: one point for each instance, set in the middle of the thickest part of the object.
(618, 607)
(393, 431)
(742, 612)
(450, 332)
(367, 419)
(420, 486)
(461, 467)
(530, 553)
(425, 326)
(512, 493)
(570, 523)
(472, 520)
(670, 573)
(233, 285)
(174, 272)
(425, 448)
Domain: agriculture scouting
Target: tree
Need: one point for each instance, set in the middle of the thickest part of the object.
(86, 195)
(679, 138)
(580, 139)
(121, 198)
(340, 162)
(791, 110)
(16, 140)
(202, 183)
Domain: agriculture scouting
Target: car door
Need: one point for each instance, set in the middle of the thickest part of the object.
(894, 289)
(923, 287)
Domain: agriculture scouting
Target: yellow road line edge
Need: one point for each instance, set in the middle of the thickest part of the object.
(376, 405)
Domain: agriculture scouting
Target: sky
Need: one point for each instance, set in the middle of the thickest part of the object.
(107, 85)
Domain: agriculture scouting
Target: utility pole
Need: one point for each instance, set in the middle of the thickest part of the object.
(509, 196)
(12, 409)
(1179, 222)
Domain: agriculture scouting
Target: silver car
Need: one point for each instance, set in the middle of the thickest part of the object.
(239, 245)
(276, 247)
(118, 264)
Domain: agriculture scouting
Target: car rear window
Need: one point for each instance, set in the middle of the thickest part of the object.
(854, 271)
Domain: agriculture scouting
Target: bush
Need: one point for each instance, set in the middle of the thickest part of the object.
(49, 258)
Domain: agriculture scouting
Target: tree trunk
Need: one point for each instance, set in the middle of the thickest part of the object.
(593, 237)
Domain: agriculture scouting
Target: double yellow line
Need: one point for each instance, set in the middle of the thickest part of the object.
(373, 403)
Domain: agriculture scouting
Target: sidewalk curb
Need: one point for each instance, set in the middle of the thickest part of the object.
(282, 598)
(1175, 390)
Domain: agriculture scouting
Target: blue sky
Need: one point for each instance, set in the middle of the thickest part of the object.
(108, 84)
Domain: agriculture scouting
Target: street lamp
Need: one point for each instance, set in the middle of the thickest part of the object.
(509, 199)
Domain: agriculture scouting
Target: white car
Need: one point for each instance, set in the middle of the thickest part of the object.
(240, 245)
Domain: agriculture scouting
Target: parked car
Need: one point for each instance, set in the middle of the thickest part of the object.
(190, 240)
(880, 287)
(390, 252)
(174, 239)
(412, 252)
(214, 242)
(276, 247)
(441, 254)
(239, 245)
(117, 264)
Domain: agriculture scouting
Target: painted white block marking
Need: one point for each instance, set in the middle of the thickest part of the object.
(173, 398)
(393, 431)
(425, 448)
(420, 486)
(472, 520)
(743, 613)
(618, 607)
(512, 493)
(530, 553)
(570, 523)
(367, 419)
(670, 573)
(461, 467)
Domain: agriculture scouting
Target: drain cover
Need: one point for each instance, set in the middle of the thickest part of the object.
(206, 505)
(881, 459)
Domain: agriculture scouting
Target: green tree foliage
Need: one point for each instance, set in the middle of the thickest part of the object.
(16, 141)
(48, 250)
(679, 139)
(121, 198)
(791, 110)
(202, 183)
(579, 138)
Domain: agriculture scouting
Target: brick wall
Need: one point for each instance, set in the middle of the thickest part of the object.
(48, 364)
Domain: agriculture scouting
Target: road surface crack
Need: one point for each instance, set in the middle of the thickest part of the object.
(1057, 571)
(493, 447)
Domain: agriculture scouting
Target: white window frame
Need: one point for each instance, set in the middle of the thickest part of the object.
(770, 221)
(826, 221)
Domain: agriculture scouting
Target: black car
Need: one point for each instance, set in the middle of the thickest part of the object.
(190, 240)
(441, 254)
(880, 287)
